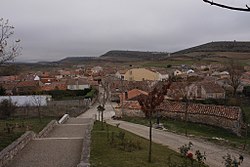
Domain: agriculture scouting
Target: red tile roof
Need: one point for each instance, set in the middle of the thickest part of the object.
(212, 87)
(229, 112)
(133, 93)
(28, 84)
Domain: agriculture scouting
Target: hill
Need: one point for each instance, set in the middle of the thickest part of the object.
(220, 46)
(76, 60)
(133, 55)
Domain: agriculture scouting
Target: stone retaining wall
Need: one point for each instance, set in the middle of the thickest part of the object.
(229, 124)
(10, 151)
(84, 162)
(129, 113)
(50, 111)
(47, 129)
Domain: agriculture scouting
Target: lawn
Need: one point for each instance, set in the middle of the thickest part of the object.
(199, 130)
(107, 152)
(21, 125)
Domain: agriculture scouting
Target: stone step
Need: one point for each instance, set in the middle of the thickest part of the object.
(78, 121)
(68, 131)
(60, 138)
(49, 153)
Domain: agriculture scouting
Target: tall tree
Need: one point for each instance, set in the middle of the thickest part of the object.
(148, 105)
(246, 9)
(8, 49)
(235, 72)
(103, 97)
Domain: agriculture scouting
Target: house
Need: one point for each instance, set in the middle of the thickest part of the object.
(223, 74)
(163, 75)
(62, 74)
(27, 87)
(96, 70)
(206, 90)
(121, 74)
(177, 73)
(141, 74)
(77, 84)
(47, 80)
(129, 99)
(190, 71)
(59, 85)
(177, 91)
(11, 78)
(9, 87)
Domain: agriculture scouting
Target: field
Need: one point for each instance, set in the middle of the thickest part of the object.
(20, 127)
(106, 152)
(211, 133)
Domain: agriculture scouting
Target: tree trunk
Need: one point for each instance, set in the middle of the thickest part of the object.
(150, 139)
(234, 92)
(39, 114)
(245, 142)
(186, 115)
(102, 116)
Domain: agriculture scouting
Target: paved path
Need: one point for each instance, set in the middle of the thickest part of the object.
(61, 148)
(173, 141)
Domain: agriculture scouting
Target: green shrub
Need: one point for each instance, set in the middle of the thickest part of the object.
(246, 91)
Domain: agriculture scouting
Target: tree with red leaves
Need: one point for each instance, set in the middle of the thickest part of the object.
(149, 103)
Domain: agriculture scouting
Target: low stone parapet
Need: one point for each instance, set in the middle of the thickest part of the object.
(84, 162)
(47, 129)
(10, 151)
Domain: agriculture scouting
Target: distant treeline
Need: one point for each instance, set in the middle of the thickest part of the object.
(69, 94)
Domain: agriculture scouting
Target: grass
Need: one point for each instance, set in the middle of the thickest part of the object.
(199, 130)
(104, 154)
(34, 124)
(164, 64)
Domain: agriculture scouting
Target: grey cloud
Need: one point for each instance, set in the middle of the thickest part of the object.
(51, 30)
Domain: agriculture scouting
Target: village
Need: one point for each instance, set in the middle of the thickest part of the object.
(207, 88)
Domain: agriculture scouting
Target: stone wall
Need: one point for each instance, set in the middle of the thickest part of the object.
(84, 162)
(47, 129)
(55, 109)
(129, 113)
(229, 124)
(227, 117)
(10, 151)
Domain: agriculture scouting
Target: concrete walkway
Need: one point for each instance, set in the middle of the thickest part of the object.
(61, 148)
(214, 152)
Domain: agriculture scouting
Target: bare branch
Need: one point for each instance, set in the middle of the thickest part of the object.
(247, 9)
(8, 49)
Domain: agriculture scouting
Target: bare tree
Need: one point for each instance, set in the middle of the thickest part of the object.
(246, 9)
(103, 97)
(148, 105)
(37, 101)
(235, 71)
(8, 49)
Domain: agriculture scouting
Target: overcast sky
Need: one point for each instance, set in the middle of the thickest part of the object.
(55, 29)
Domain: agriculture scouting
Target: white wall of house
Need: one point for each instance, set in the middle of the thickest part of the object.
(177, 72)
(163, 76)
(78, 87)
